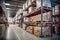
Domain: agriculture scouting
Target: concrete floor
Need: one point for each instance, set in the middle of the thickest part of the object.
(16, 33)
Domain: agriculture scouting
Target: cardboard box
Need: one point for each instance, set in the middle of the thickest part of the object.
(56, 19)
(25, 13)
(29, 2)
(38, 3)
(30, 29)
(46, 16)
(46, 31)
(31, 9)
(37, 31)
(36, 18)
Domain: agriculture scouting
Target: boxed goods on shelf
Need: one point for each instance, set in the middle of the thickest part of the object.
(24, 26)
(26, 4)
(30, 29)
(46, 16)
(25, 13)
(38, 3)
(53, 9)
(36, 18)
(56, 28)
(56, 9)
(37, 31)
(31, 9)
(47, 31)
(27, 19)
(29, 2)
(55, 19)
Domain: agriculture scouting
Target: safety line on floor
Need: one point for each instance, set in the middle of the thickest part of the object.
(17, 35)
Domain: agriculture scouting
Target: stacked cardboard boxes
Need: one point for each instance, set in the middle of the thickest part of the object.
(36, 18)
(37, 31)
(30, 29)
(47, 31)
(56, 18)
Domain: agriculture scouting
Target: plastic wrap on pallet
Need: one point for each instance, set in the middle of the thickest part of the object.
(46, 3)
(57, 9)
(29, 2)
(31, 9)
(24, 6)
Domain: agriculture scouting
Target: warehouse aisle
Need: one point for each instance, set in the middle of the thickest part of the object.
(16, 33)
(11, 34)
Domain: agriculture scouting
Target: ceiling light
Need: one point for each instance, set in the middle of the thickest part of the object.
(7, 4)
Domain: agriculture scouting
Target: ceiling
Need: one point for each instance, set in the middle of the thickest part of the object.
(14, 6)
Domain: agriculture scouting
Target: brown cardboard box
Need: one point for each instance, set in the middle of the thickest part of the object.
(46, 16)
(36, 18)
(30, 29)
(46, 31)
(56, 28)
(37, 31)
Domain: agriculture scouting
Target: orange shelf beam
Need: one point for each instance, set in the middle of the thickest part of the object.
(56, 15)
(56, 22)
(44, 22)
(35, 12)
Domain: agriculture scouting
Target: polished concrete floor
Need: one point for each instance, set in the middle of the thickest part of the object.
(16, 33)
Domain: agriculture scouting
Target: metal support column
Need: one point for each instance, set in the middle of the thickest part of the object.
(41, 20)
(51, 1)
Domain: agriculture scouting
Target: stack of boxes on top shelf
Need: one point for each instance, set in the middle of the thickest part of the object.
(36, 29)
(56, 18)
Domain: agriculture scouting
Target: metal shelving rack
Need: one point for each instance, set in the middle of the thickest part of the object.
(54, 3)
(40, 10)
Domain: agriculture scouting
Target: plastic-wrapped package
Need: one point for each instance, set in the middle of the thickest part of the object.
(56, 9)
(38, 3)
(31, 9)
(29, 2)
(24, 6)
(45, 3)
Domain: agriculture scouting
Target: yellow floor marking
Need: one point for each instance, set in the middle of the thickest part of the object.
(17, 35)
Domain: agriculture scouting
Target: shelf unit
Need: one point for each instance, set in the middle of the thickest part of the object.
(56, 15)
(38, 11)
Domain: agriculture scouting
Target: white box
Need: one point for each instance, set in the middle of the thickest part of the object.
(38, 3)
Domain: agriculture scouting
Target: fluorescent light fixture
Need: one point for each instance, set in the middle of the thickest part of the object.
(6, 3)
(7, 8)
